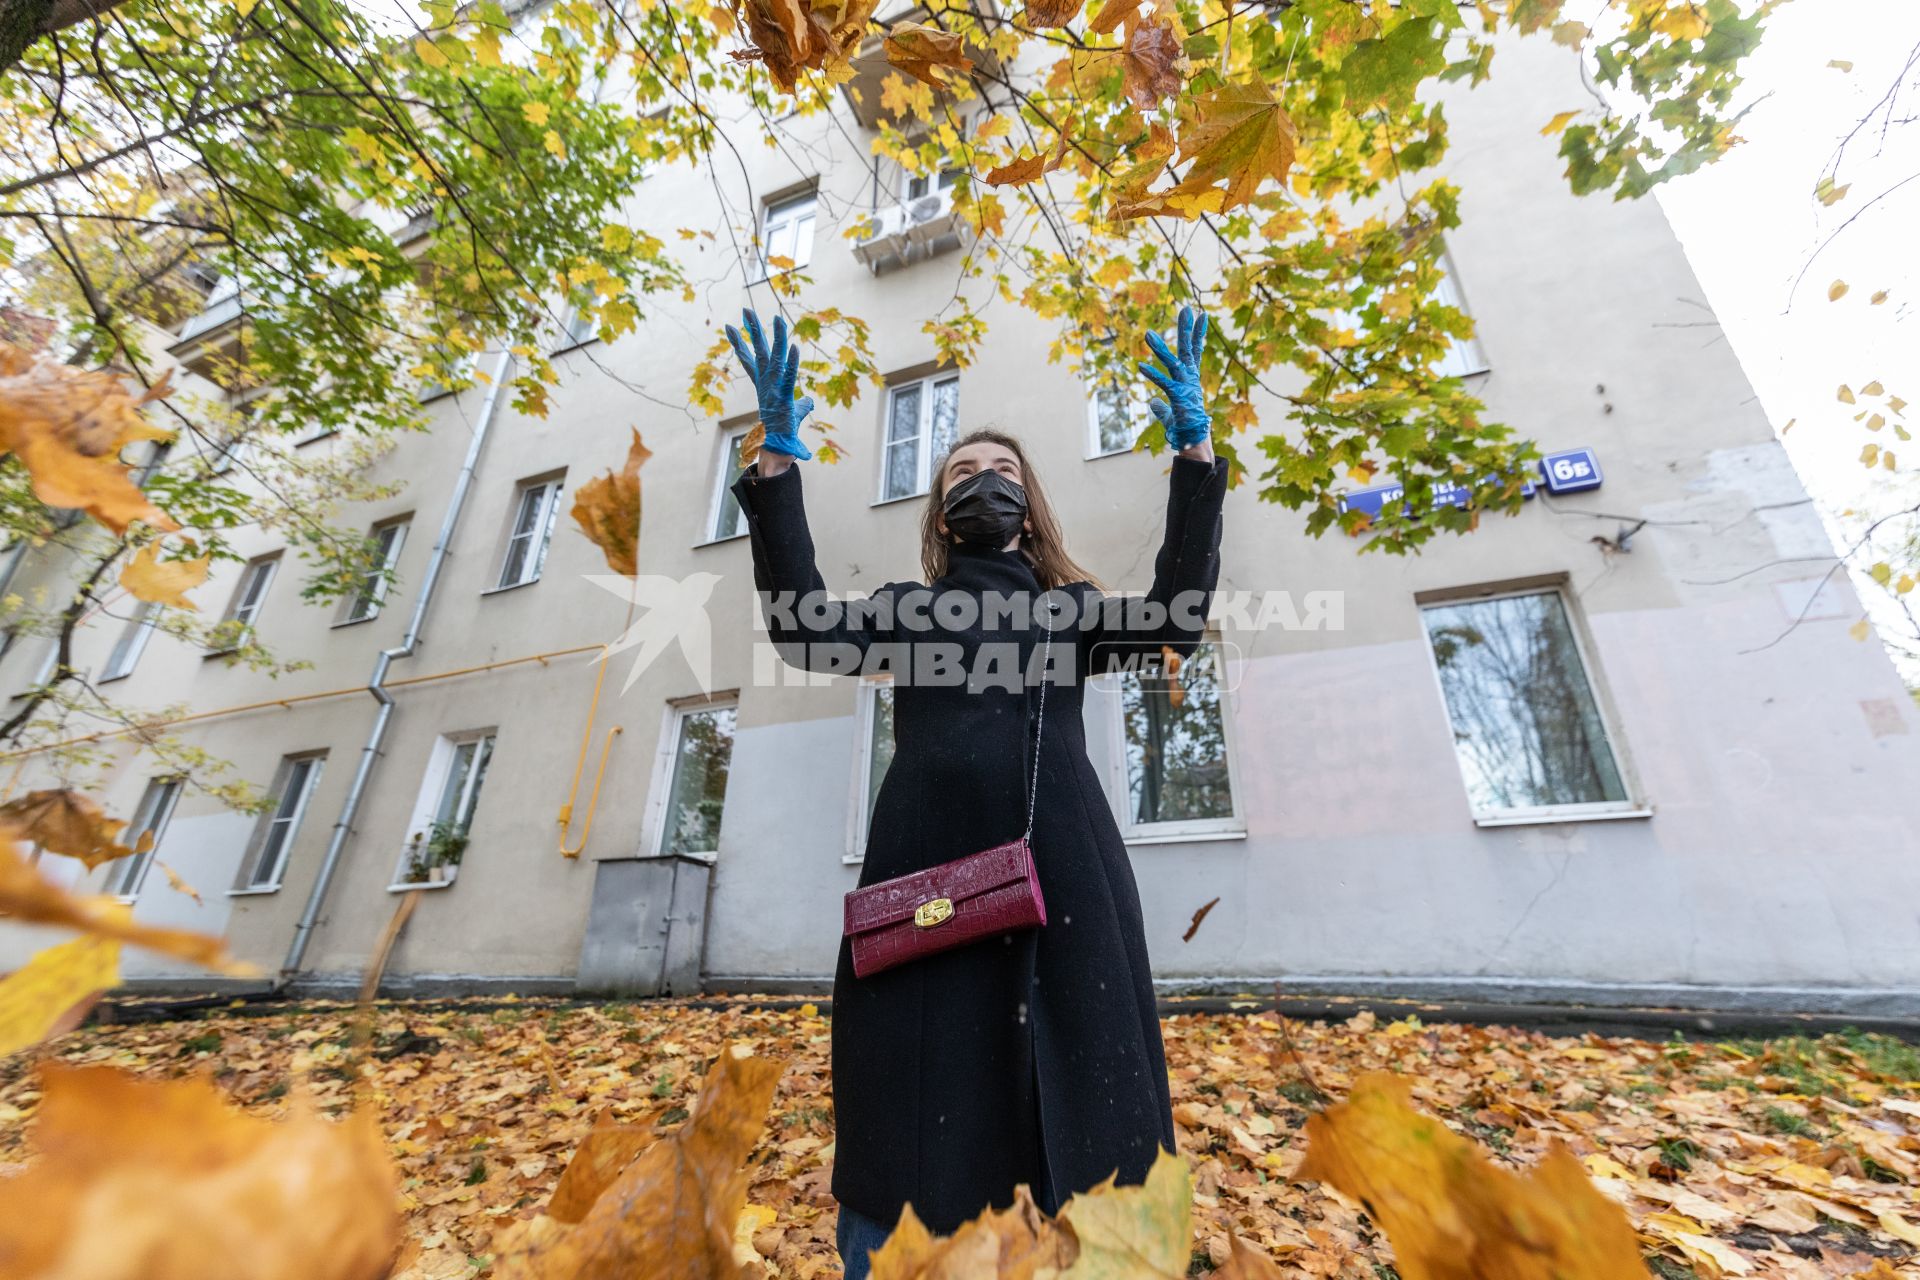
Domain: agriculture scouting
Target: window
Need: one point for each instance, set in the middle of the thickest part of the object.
(875, 758)
(1465, 357)
(383, 553)
(786, 234)
(1173, 743)
(244, 608)
(44, 672)
(1116, 415)
(727, 520)
(923, 421)
(149, 820)
(582, 327)
(437, 840)
(700, 738)
(1527, 728)
(921, 184)
(535, 507)
(273, 838)
(132, 642)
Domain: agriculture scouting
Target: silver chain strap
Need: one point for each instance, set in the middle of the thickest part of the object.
(1039, 729)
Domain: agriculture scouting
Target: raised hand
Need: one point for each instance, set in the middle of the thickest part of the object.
(1184, 412)
(774, 368)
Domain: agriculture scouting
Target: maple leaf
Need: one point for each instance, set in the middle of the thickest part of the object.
(1452, 1214)
(1239, 133)
(1154, 64)
(1144, 1230)
(34, 900)
(918, 50)
(608, 1148)
(54, 990)
(607, 509)
(67, 427)
(1389, 68)
(1112, 14)
(149, 578)
(70, 824)
(1027, 169)
(672, 1210)
(163, 1180)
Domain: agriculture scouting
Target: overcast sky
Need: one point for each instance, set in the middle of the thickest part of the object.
(1751, 223)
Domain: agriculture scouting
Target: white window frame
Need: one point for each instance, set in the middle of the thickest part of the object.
(426, 805)
(787, 228)
(1533, 815)
(1465, 357)
(572, 334)
(1232, 827)
(43, 673)
(923, 475)
(866, 712)
(723, 485)
(131, 643)
(153, 813)
(550, 487)
(281, 818)
(1138, 414)
(260, 569)
(666, 755)
(372, 592)
(933, 184)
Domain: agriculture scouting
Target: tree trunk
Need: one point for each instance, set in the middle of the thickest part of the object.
(24, 21)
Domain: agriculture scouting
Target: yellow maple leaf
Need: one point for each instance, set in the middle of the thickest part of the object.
(536, 113)
(149, 578)
(1558, 123)
(551, 141)
(1241, 135)
(53, 991)
(1451, 1213)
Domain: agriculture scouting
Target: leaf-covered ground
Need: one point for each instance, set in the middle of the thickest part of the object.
(1793, 1158)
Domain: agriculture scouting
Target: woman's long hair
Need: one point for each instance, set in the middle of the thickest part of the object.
(1045, 546)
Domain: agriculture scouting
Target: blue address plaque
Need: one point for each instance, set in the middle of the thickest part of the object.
(1569, 471)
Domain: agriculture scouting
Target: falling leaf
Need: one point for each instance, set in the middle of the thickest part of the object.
(1198, 916)
(1878, 297)
(1828, 194)
(178, 883)
(918, 49)
(68, 426)
(791, 36)
(69, 824)
(1027, 168)
(162, 1180)
(1558, 123)
(671, 1212)
(1016, 1241)
(1042, 14)
(34, 900)
(1845, 394)
(1861, 629)
(608, 1148)
(1449, 1211)
(607, 509)
(1874, 388)
(1135, 1231)
(1153, 65)
(1869, 455)
(1840, 64)
(1246, 1262)
(53, 991)
(1836, 291)
(149, 578)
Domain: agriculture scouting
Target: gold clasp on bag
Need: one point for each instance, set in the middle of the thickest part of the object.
(933, 912)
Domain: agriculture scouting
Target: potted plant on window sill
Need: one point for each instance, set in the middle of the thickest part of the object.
(446, 845)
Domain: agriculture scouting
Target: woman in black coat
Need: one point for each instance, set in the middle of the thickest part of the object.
(1035, 1056)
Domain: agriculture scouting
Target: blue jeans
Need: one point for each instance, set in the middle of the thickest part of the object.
(855, 1236)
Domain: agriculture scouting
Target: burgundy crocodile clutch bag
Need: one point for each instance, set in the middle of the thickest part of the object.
(979, 896)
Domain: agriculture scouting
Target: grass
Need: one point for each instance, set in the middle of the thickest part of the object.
(1786, 1123)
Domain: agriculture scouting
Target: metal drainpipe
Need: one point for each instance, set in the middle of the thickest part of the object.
(376, 683)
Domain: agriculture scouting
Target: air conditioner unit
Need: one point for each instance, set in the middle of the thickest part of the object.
(886, 243)
(929, 218)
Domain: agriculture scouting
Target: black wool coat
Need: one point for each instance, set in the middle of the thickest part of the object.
(1033, 1057)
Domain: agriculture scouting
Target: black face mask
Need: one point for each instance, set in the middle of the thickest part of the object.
(986, 509)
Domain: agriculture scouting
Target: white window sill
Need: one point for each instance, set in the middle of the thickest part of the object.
(423, 884)
(1115, 453)
(257, 891)
(510, 586)
(1176, 835)
(1563, 816)
(709, 858)
(588, 341)
(354, 622)
(853, 859)
(715, 542)
(110, 679)
(905, 497)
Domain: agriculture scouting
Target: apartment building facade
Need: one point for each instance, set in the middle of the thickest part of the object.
(1619, 747)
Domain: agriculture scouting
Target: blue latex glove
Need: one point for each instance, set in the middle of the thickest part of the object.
(774, 369)
(1184, 412)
